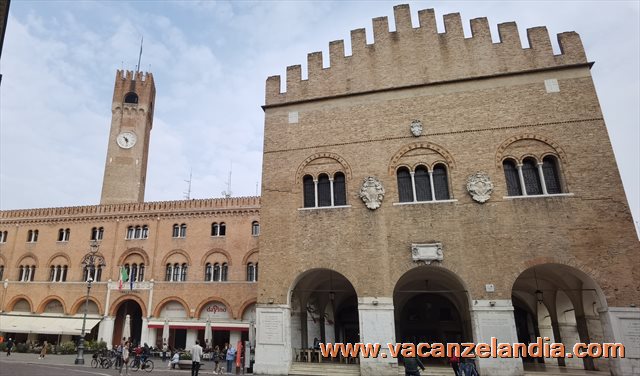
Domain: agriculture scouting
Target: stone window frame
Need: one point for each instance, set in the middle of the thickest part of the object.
(176, 272)
(26, 273)
(97, 233)
(64, 234)
(179, 231)
(32, 236)
(255, 228)
(430, 168)
(137, 232)
(542, 179)
(252, 272)
(4, 235)
(318, 190)
(218, 229)
(58, 273)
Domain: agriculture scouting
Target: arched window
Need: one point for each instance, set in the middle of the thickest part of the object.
(27, 273)
(208, 272)
(183, 230)
(3, 237)
(405, 187)
(145, 231)
(141, 272)
(512, 178)
(251, 272)
(138, 232)
(551, 174)
(183, 274)
(60, 235)
(58, 273)
(176, 272)
(224, 271)
(531, 177)
(32, 236)
(309, 191)
(133, 277)
(131, 98)
(1, 272)
(256, 271)
(168, 273)
(324, 190)
(52, 274)
(97, 233)
(215, 229)
(423, 184)
(63, 278)
(176, 231)
(440, 182)
(130, 232)
(216, 272)
(223, 229)
(255, 228)
(339, 189)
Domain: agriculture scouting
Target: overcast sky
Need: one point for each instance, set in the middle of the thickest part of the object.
(210, 61)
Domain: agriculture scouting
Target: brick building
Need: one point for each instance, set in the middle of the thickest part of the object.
(187, 262)
(436, 188)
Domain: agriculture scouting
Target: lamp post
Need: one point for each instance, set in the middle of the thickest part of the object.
(90, 261)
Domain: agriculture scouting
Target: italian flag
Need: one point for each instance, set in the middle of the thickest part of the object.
(123, 277)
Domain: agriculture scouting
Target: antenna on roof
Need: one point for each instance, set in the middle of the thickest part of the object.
(187, 194)
(140, 55)
(228, 192)
(256, 188)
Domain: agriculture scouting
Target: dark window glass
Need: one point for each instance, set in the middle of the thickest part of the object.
(250, 272)
(131, 98)
(339, 189)
(183, 275)
(176, 231)
(99, 274)
(309, 192)
(324, 190)
(1, 271)
(441, 182)
(214, 229)
(216, 272)
(167, 275)
(52, 274)
(141, 273)
(134, 273)
(176, 272)
(531, 177)
(207, 272)
(223, 273)
(512, 178)
(423, 184)
(405, 190)
(551, 175)
(64, 273)
(223, 229)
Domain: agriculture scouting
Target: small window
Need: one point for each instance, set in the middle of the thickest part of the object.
(551, 175)
(3, 237)
(339, 189)
(168, 272)
(216, 272)
(224, 271)
(512, 178)
(208, 272)
(531, 177)
(97, 233)
(183, 273)
(32, 236)
(324, 190)
(64, 234)
(223, 229)
(255, 228)
(183, 230)
(423, 184)
(309, 191)
(405, 190)
(133, 277)
(440, 182)
(176, 272)
(1, 272)
(251, 272)
(131, 98)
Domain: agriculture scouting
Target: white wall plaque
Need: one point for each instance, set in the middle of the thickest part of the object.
(427, 252)
(270, 327)
(293, 117)
(551, 85)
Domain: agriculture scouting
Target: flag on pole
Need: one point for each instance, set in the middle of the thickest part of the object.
(123, 277)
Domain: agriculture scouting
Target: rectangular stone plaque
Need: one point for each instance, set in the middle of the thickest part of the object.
(270, 328)
(631, 340)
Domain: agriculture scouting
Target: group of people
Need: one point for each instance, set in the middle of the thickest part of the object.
(124, 351)
(412, 366)
(217, 355)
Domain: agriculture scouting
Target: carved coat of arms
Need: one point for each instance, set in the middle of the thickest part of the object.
(480, 186)
(416, 128)
(372, 192)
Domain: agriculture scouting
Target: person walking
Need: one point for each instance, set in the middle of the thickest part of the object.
(411, 365)
(125, 358)
(43, 352)
(9, 346)
(164, 352)
(455, 364)
(231, 356)
(215, 356)
(196, 355)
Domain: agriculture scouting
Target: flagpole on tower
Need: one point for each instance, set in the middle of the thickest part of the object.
(140, 55)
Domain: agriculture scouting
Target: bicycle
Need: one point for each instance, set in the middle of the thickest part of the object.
(136, 364)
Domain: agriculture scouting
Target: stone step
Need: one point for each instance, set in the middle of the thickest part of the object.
(324, 369)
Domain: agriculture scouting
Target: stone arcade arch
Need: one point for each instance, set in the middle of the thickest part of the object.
(431, 305)
(135, 311)
(324, 305)
(562, 303)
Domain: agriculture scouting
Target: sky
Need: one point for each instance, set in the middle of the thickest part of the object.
(210, 61)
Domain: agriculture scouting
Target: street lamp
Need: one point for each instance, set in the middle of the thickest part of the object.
(90, 261)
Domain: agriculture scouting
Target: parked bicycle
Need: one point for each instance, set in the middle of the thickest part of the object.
(137, 363)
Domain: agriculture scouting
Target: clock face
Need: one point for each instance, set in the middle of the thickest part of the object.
(126, 140)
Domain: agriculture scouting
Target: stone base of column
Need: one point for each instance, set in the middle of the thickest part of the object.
(377, 326)
(273, 340)
(106, 331)
(494, 318)
(622, 325)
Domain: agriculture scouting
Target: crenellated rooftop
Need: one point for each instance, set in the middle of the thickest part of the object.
(417, 56)
(157, 207)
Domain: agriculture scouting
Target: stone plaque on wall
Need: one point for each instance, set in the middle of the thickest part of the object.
(270, 328)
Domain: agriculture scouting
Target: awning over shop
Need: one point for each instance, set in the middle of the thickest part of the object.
(232, 326)
(45, 324)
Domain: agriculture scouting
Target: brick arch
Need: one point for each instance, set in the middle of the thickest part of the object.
(336, 157)
(50, 298)
(449, 161)
(159, 306)
(529, 155)
(509, 156)
(452, 269)
(214, 299)
(27, 255)
(79, 304)
(116, 304)
(213, 251)
(59, 254)
(246, 305)
(177, 251)
(15, 299)
(132, 251)
(248, 255)
(500, 151)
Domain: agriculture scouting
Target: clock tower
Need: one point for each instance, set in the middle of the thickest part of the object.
(125, 171)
